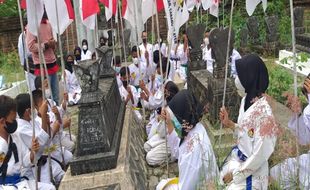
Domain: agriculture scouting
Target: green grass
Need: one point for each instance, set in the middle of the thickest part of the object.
(10, 67)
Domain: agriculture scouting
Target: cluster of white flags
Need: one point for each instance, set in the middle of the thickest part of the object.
(177, 12)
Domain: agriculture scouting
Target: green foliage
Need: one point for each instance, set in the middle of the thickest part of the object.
(10, 67)
(9, 8)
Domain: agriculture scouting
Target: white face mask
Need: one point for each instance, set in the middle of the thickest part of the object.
(48, 93)
(84, 47)
(240, 88)
(135, 61)
(117, 69)
(206, 41)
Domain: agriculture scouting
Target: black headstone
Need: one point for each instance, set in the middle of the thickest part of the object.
(244, 33)
(105, 55)
(195, 35)
(101, 115)
(272, 23)
(219, 43)
(253, 27)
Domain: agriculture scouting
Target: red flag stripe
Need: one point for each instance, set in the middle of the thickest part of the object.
(105, 3)
(160, 5)
(124, 7)
(90, 7)
(23, 4)
(70, 9)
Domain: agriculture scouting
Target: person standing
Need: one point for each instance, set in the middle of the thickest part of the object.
(48, 45)
(24, 55)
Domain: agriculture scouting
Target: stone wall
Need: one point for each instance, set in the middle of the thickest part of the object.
(10, 31)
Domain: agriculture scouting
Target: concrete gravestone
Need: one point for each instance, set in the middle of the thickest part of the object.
(105, 55)
(253, 27)
(299, 20)
(195, 35)
(272, 35)
(101, 113)
(218, 41)
(244, 33)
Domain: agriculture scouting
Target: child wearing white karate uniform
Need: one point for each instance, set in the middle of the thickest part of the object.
(72, 84)
(15, 158)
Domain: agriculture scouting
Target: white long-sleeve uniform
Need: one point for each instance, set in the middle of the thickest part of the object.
(25, 133)
(85, 56)
(136, 96)
(19, 167)
(234, 57)
(73, 87)
(149, 49)
(163, 49)
(196, 159)
(256, 141)
(179, 62)
(303, 131)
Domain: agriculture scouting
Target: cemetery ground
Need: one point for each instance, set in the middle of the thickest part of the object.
(281, 80)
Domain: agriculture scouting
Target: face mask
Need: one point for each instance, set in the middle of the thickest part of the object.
(206, 41)
(78, 57)
(48, 93)
(117, 69)
(144, 41)
(240, 88)
(84, 47)
(135, 61)
(70, 62)
(159, 78)
(10, 127)
(177, 126)
(125, 83)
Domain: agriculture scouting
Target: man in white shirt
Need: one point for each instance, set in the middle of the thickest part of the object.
(22, 46)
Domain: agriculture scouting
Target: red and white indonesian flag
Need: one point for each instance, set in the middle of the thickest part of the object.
(177, 15)
(89, 10)
(149, 7)
(35, 10)
(252, 4)
(110, 8)
(214, 9)
(63, 15)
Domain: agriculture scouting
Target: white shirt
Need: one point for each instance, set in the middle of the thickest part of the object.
(21, 46)
(256, 131)
(143, 49)
(304, 126)
(85, 56)
(196, 159)
(209, 60)
(124, 93)
(135, 75)
(23, 156)
(234, 57)
(163, 49)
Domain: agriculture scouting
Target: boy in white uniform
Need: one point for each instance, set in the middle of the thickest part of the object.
(15, 157)
(25, 132)
(129, 93)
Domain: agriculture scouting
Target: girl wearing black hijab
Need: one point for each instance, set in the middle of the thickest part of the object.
(247, 165)
(77, 54)
(73, 87)
(189, 143)
(155, 146)
(85, 54)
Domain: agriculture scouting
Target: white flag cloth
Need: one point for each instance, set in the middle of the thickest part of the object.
(35, 10)
(206, 4)
(252, 4)
(148, 8)
(214, 9)
(128, 12)
(191, 4)
(89, 12)
(108, 11)
(63, 15)
(177, 15)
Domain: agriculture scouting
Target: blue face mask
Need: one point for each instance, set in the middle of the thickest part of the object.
(159, 78)
(177, 126)
(117, 69)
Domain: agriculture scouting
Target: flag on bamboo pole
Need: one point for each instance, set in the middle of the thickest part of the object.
(89, 10)
(70, 9)
(177, 15)
(23, 4)
(35, 10)
(148, 8)
(214, 9)
(252, 4)
(206, 4)
(110, 8)
(63, 15)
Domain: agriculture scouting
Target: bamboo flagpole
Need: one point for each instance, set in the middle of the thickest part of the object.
(42, 62)
(227, 62)
(163, 88)
(138, 52)
(295, 84)
(30, 93)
